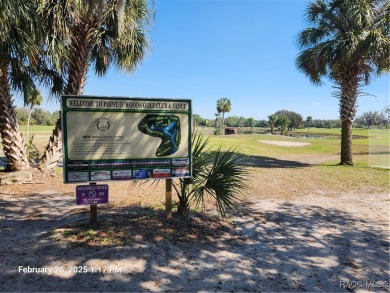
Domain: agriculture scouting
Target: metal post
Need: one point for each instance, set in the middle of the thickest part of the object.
(168, 198)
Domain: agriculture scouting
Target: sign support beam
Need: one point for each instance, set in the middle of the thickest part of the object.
(93, 213)
(168, 198)
(93, 210)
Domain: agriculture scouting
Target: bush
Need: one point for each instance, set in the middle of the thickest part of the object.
(218, 131)
(215, 174)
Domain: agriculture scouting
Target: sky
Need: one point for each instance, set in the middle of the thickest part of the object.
(244, 50)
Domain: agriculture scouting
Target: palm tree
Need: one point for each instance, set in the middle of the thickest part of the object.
(309, 122)
(101, 33)
(272, 120)
(348, 41)
(283, 125)
(19, 49)
(32, 98)
(223, 105)
(217, 116)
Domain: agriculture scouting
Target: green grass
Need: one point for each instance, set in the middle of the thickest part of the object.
(332, 131)
(329, 144)
(248, 144)
(326, 174)
(37, 129)
(379, 137)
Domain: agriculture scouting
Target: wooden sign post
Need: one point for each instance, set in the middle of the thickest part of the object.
(168, 198)
(93, 213)
(93, 209)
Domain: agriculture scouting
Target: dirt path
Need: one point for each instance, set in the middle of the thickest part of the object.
(293, 233)
(310, 243)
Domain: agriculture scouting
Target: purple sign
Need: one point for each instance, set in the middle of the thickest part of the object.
(91, 194)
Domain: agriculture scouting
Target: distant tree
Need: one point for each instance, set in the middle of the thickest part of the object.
(309, 122)
(294, 118)
(42, 117)
(241, 121)
(217, 117)
(198, 119)
(283, 125)
(386, 115)
(330, 123)
(22, 115)
(54, 117)
(347, 41)
(250, 122)
(223, 105)
(371, 118)
(32, 98)
(272, 120)
(262, 123)
(232, 121)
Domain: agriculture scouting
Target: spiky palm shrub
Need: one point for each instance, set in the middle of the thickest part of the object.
(217, 175)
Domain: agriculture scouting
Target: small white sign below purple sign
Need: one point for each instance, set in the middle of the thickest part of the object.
(91, 194)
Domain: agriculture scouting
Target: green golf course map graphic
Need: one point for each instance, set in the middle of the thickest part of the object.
(166, 127)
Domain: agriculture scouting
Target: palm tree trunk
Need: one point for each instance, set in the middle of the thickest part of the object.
(223, 123)
(13, 145)
(77, 75)
(28, 121)
(349, 84)
(346, 143)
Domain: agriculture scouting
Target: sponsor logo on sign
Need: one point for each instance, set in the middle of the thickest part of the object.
(160, 173)
(78, 176)
(142, 174)
(180, 172)
(180, 162)
(78, 165)
(120, 175)
(100, 175)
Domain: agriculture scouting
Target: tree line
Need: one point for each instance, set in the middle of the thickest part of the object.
(290, 120)
(38, 116)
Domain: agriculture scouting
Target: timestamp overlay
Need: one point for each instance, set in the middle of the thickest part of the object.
(70, 270)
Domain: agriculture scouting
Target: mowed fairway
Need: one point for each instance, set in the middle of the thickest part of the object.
(293, 171)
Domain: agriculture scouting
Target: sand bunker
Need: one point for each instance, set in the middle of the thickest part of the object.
(285, 143)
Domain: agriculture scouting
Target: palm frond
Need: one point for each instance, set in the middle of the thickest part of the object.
(216, 174)
(224, 182)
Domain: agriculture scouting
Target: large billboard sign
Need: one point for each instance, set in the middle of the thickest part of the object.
(109, 138)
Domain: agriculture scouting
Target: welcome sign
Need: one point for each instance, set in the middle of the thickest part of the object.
(110, 138)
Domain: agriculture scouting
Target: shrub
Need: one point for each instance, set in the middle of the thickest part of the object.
(215, 174)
